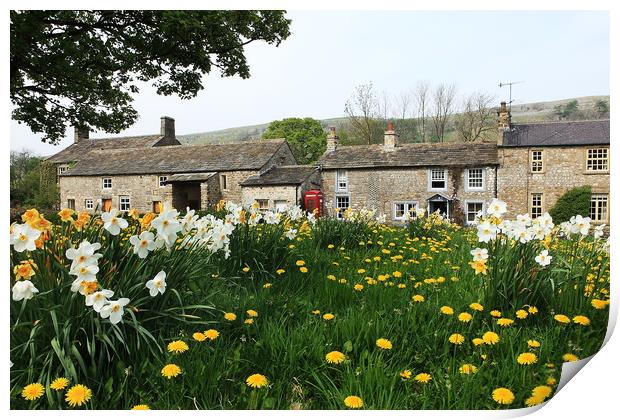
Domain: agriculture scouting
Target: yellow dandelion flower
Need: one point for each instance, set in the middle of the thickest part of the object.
(505, 322)
(211, 334)
(249, 321)
(246, 269)
(569, 357)
(303, 269)
(551, 381)
(533, 343)
(32, 391)
(503, 396)
(328, 316)
(280, 271)
(266, 285)
(562, 318)
(527, 358)
(170, 371)
(446, 310)
(542, 391)
(141, 407)
(533, 400)
(406, 374)
(177, 346)
(417, 298)
(477, 341)
(78, 395)
(353, 401)
(384, 343)
(358, 287)
(257, 381)
(251, 313)
(495, 313)
(521, 314)
(490, 337)
(423, 378)
(59, 384)
(198, 336)
(476, 307)
(581, 320)
(457, 339)
(599, 304)
(465, 317)
(229, 316)
(335, 357)
(468, 369)
(300, 263)
(397, 274)
(532, 310)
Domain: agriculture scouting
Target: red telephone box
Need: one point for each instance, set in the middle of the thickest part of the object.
(313, 202)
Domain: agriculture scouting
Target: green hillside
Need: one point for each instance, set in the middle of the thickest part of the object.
(529, 112)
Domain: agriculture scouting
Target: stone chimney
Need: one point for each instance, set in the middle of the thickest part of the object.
(80, 133)
(167, 127)
(390, 138)
(332, 140)
(503, 121)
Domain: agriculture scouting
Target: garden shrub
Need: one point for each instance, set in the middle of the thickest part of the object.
(572, 203)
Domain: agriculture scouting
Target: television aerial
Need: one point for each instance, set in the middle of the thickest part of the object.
(509, 84)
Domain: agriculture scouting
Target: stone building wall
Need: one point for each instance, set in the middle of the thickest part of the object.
(379, 188)
(564, 168)
(143, 190)
(272, 193)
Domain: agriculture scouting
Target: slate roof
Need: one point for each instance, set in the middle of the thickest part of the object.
(200, 176)
(177, 159)
(78, 150)
(281, 175)
(411, 155)
(561, 133)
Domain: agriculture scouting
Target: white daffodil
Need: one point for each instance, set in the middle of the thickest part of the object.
(24, 289)
(143, 244)
(272, 218)
(295, 213)
(167, 226)
(99, 299)
(112, 223)
(382, 218)
(544, 259)
(84, 255)
(546, 222)
(188, 221)
(23, 237)
(480, 254)
(486, 231)
(291, 233)
(158, 284)
(114, 310)
(496, 208)
(85, 273)
(599, 231)
(580, 225)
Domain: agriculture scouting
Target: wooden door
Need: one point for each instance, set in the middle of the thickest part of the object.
(107, 204)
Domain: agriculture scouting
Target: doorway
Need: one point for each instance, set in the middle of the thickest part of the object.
(441, 206)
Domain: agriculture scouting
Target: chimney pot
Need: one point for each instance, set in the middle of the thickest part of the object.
(80, 133)
(167, 127)
(504, 121)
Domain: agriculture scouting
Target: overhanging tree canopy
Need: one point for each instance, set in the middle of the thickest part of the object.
(81, 67)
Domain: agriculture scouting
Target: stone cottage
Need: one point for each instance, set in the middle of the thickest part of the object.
(456, 179)
(540, 162)
(143, 172)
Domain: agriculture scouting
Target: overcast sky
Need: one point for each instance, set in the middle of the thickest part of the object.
(557, 54)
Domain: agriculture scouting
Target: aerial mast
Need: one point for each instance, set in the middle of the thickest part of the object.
(509, 84)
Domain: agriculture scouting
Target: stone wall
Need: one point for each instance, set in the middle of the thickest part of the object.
(564, 168)
(287, 193)
(143, 190)
(379, 188)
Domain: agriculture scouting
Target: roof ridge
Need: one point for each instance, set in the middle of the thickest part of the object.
(562, 122)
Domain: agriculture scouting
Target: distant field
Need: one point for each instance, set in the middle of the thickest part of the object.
(530, 112)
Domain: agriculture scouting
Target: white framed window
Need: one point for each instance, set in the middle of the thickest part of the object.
(471, 210)
(343, 202)
(124, 203)
(475, 179)
(401, 209)
(598, 207)
(263, 204)
(223, 182)
(437, 180)
(107, 183)
(71, 203)
(89, 204)
(342, 180)
(62, 169)
(162, 180)
(536, 205)
(598, 159)
(536, 161)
